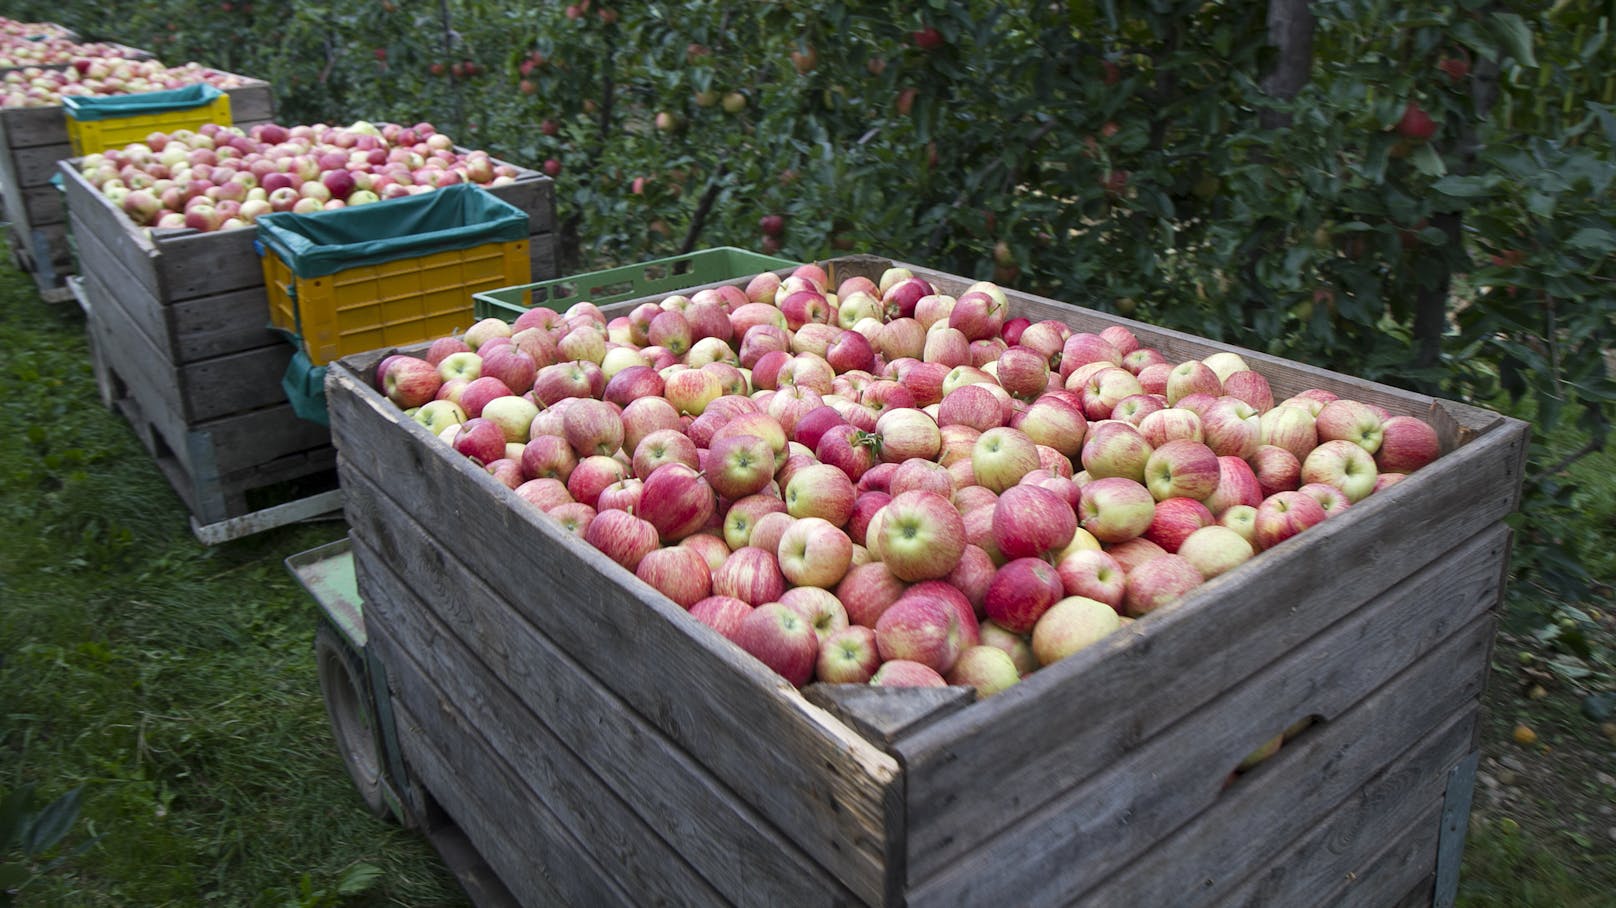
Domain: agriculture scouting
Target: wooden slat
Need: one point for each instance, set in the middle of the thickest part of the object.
(1349, 850)
(1222, 632)
(826, 788)
(484, 716)
(579, 746)
(1150, 788)
(468, 784)
(95, 214)
(1403, 875)
(1186, 870)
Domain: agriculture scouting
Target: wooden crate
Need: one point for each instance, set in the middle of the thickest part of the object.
(32, 141)
(595, 742)
(186, 318)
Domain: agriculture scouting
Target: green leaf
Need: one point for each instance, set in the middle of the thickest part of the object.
(54, 822)
(1427, 161)
(1516, 36)
(13, 812)
(1593, 240)
(1464, 187)
(359, 878)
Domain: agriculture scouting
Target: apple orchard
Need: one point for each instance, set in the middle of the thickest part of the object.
(880, 483)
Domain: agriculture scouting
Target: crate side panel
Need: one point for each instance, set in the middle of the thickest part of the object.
(533, 193)
(795, 764)
(1222, 632)
(475, 711)
(95, 214)
(1151, 789)
(477, 792)
(102, 271)
(580, 747)
(1193, 866)
(208, 264)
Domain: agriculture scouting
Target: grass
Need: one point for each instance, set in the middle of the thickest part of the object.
(176, 683)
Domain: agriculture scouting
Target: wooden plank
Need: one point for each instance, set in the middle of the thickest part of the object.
(828, 789)
(1401, 875)
(1223, 631)
(1349, 850)
(95, 214)
(552, 778)
(1178, 769)
(462, 779)
(1436, 694)
(882, 718)
(576, 744)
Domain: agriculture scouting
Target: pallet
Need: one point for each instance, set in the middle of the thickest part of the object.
(596, 743)
(32, 141)
(238, 474)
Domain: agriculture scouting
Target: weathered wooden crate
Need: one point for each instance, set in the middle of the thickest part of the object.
(187, 321)
(600, 746)
(32, 141)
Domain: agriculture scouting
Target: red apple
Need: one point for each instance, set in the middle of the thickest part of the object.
(750, 574)
(1094, 574)
(867, 591)
(1159, 582)
(622, 537)
(1407, 444)
(921, 536)
(780, 638)
(1115, 509)
(848, 656)
(1070, 625)
(1032, 521)
(814, 553)
(1021, 591)
(922, 628)
(679, 573)
(1283, 515)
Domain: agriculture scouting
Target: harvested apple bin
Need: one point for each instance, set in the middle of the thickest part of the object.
(99, 75)
(224, 177)
(882, 483)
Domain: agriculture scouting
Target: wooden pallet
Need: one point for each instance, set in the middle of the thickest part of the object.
(595, 742)
(32, 141)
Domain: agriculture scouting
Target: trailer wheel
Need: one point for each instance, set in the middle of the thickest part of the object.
(353, 721)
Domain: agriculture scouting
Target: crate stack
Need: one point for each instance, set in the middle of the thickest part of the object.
(34, 138)
(567, 716)
(184, 346)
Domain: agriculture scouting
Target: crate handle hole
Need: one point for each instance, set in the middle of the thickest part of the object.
(1265, 750)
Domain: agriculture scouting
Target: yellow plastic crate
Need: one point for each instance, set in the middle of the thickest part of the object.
(90, 136)
(392, 304)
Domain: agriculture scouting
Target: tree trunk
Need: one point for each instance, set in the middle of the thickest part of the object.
(1290, 30)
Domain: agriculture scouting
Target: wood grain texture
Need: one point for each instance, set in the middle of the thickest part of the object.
(1152, 787)
(829, 790)
(881, 715)
(467, 783)
(578, 746)
(1403, 874)
(1350, 847)
(461, 708)
(1220, 633)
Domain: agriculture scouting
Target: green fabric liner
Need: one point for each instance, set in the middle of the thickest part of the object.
(111, 107)
(455, 217)
(304, 384)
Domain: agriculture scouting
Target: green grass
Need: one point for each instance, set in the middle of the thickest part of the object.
(173, 680)
(176, 682)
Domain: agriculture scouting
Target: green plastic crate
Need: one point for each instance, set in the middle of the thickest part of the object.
(612, 285)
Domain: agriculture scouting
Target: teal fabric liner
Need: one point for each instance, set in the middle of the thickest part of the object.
(111, 107)
(304, 384)
(454, 217)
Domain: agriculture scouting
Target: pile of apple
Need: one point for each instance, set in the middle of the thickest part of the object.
(13, 30)
(35, 86)
(22, 49)
(224, 177)
(882, 483)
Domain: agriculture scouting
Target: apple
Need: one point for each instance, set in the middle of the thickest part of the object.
(1330, 498)
(1115, 509)
(479, 391)
(905, 432)
(1032, 521)
(906, 673)
(592, 475)
(1092, 573)
(1020, 593)
(739, 465)
(1215, 549)
(1407, 444)
(411, 382)
(437, 415)
(663, 446)
(679, 573)
(1237, 484)
(545, 493)
(783, 640)
(973, 575)
(1070, 625)
(677, 500)
(1225, 363)
(1192, 377)
(1283, 515)
(721, 613)
(481, 440)
(1242, 519)
(1350, 420)
(514, 415)
(1159, 582)
(820, 606)
(1114, 448)
(1105, 388)
(848, 656)
(970, 405)
(560, 381)
(814, 552)
(1054, 422)
(921, 536)
(1343, 464)
(1276, 469)
(485, 329)
(622, 537)
(1251, 387)
(548, 456)
(988, 669)
(1001, 456)
(820, 490)
(1175, 519)
(1170, 423)
(1182, 469)
(867, 591)
(1017, 646)
(752, 575)
(1232, 427)
(1291, 427)
(922, 628)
